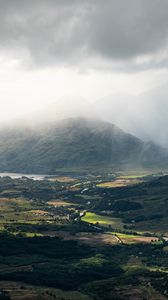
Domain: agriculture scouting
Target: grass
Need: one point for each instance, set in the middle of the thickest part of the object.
(14, 211)
(133, 239)
(102, 220)
(132, 176)
(117, 183)
(32, 234)
(93, 261)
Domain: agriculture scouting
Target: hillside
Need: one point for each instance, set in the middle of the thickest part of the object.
(75, 142)
(142, 207)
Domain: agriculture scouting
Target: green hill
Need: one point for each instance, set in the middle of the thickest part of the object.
(73, 143)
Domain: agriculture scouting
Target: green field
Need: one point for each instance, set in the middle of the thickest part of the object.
(118, 183)
(102, 220)
(134, 239)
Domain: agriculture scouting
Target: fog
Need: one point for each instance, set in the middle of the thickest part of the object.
(144, 116)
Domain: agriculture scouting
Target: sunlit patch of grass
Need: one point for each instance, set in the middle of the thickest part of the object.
(102, 220)
(96, 260)
(32, 234)
(132, 176)
(133, 239)
(118, 183)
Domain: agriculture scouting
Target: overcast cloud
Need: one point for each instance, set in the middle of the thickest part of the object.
(122, 33)
(115, 50)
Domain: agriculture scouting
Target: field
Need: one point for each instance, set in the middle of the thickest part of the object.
(133, 239)
(58, 203)
(102, 220)
(119, 182)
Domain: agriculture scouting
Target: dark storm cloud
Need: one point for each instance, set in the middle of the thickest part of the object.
(46, 32)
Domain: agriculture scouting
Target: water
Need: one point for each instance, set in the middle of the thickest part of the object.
(20, 175)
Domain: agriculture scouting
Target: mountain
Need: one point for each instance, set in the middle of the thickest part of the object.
(75, 142)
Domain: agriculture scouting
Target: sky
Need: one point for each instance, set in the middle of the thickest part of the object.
(93, 49)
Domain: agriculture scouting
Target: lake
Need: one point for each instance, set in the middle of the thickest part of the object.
(20, 175)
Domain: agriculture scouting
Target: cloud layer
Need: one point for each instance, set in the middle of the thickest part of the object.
(144, 116)
(121, 34)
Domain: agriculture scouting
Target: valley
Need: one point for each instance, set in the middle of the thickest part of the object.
(83, 150)
(84, 236)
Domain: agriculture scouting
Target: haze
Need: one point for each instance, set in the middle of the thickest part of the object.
(93, 57)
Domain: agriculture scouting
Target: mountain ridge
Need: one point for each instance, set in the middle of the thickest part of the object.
(74, 142)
